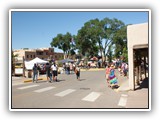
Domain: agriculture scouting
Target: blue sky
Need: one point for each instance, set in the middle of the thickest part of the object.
(36, 29)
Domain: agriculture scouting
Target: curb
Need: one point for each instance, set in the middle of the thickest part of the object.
(92, 69)
(30, 80)
(123, 87)
(123, 90)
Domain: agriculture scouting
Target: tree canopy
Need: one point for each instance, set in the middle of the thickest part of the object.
(95, 36)
(64, 42)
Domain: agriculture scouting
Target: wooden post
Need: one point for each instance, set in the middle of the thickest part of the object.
(145, 66)
(137, 75)
(140, 71)
(137, 67)
(23, 67)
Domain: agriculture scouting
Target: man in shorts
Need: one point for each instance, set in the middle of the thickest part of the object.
(54, 71)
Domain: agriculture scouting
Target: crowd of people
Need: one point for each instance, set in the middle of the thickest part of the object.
(52, 71)
(68, 68)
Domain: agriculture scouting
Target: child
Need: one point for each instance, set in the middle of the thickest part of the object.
(77, 71)
(112, 77)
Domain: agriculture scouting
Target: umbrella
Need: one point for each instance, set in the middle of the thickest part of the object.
(66, 60)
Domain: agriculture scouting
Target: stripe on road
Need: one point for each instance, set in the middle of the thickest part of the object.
(64, 93)
(44, 89)
(123, 100)
(16, 83)
(92, 96)
(30, 86)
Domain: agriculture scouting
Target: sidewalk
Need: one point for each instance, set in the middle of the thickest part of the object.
(137, 98)
(93, 69)
(25, 79)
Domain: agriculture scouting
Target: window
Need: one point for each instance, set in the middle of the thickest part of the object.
(39, 53)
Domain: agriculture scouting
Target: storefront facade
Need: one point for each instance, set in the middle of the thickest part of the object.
(138, 55)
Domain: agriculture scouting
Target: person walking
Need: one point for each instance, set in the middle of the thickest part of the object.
(54, 68)
(71, 68)
(107, 72)
(125, 69)
(77, 71)
(64, 67)
(67, 68)
(112, 77)
(35, 72)
(48, 72)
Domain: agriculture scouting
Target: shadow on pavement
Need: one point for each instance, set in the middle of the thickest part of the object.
(61, 80)
(82, 79)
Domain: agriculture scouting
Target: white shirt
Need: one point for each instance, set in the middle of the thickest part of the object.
(54, 68)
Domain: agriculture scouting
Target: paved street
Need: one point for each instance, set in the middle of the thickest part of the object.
(90, 92)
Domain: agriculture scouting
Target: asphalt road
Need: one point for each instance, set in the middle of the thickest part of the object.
(90, 92)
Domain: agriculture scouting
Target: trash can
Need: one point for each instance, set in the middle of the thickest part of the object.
(29, 74)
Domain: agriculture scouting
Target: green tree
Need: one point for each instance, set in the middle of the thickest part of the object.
(98, 35)
(86, 40)
(64, 42)
(110, 53)
(120, 42)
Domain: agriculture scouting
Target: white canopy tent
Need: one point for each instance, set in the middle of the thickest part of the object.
(29, 64)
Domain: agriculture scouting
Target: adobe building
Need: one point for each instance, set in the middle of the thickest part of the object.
(42, 53)
(138, 57)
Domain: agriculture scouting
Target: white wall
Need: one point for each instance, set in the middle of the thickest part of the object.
(136, 35)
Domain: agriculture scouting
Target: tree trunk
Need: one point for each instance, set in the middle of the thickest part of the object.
(103, 58)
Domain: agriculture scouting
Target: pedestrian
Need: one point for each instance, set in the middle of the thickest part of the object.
(77, 71)
(35, 72)
(112, 77)
(125, 69)
(54, 68)
(39, 69)
(71, 68)
(120, 70)
(107, 72)
(64, 67)
(48, 72)
(74, 67)
(67, 68)
(89, 65)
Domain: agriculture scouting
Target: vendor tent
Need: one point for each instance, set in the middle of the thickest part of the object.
(29, 64)
(66, 60)
(38, 60)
